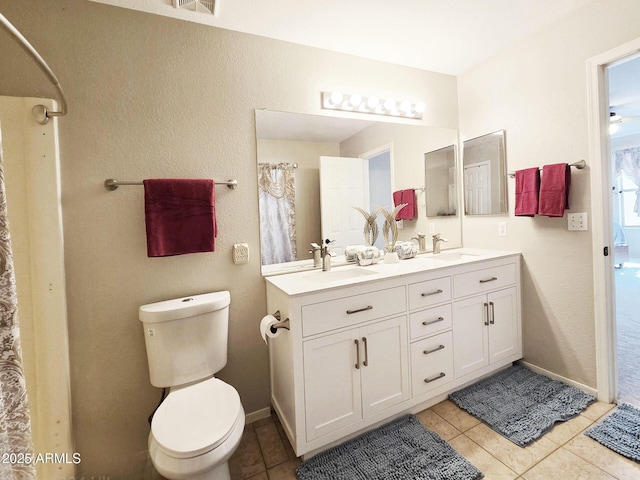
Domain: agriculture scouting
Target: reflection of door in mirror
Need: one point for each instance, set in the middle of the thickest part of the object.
(344, 182)
(484, 174)
(477, 185)
(440, 181)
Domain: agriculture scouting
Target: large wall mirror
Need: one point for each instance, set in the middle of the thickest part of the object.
(484, 174)
(290, 147)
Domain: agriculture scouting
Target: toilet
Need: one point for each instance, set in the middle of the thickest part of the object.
(199, 424)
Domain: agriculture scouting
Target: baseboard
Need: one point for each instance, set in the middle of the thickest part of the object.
(542, 371)
(257, 415)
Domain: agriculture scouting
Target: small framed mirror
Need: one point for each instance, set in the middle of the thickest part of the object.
(484, 174)
(440, 182)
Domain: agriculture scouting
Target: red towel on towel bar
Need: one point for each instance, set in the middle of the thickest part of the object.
(527, 191)
(180, 216)
(554, 190)
(410, 211)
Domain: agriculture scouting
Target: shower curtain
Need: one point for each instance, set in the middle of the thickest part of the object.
(277, 213)
(16, 456)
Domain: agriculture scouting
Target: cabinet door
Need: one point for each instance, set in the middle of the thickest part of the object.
(331, 383)
(503, 332)
(470, 336)
(385, 377)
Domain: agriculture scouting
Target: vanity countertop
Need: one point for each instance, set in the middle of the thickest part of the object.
(310, 281)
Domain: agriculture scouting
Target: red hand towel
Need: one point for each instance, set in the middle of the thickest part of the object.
(410, 211)
(527, 190)
(554, 190)
(180, 216)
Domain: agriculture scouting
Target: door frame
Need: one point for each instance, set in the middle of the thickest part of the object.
(602, 228)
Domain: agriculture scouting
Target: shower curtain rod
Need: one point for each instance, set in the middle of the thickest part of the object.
(40, 112)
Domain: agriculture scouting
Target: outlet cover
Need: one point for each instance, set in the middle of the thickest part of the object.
(578, 221)
(240, 253)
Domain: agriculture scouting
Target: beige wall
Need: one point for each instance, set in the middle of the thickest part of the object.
(537, 91)
(155, 97)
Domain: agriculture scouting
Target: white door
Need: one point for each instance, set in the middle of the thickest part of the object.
(385, 377)
(477, 185)
(344, 184)
(331, 383)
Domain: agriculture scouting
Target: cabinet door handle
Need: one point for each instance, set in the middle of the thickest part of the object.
(439, 319)
(366, 352)
(492, 319)
(492, 279)
(428, 294)
(363, 309)
(437, 377)
(439, 347)
(357, 353)
(486, 313)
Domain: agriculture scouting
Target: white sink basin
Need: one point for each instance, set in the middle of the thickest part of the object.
(453, 256)
(338, 275)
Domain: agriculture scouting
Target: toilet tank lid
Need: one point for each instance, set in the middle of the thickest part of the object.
(183, 307)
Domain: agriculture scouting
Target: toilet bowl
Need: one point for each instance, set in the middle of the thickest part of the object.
(198, 426)
(195, 431)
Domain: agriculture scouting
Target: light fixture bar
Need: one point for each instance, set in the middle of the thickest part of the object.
(355, 102)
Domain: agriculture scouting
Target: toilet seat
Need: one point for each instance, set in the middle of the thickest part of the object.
(195, 419)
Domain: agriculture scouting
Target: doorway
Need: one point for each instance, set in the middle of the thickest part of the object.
(623, 88)
(614, 229)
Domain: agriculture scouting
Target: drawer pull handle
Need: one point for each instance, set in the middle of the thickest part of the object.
(486, 313)
(363, 309)
(435, 292)
(437, 377)
(439, 347)
(357, 353)
(492, 319)
(366, 352)
(439, 319)
(492, 279)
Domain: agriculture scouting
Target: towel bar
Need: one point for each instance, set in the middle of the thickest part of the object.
(580, 164)
(113, 184)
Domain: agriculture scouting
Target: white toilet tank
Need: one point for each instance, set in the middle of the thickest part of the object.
(186, 338)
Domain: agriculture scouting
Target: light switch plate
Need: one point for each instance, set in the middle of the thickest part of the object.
(578, 221)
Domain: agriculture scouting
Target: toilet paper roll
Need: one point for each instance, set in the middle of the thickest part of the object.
(266, 323)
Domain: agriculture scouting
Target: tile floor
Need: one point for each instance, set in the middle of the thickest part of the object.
(564, 453)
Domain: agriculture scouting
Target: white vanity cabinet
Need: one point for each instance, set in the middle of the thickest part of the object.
(486, 327)
(364, 346)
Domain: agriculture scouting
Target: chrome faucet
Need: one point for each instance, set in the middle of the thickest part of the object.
(436, 242)
(422, 244)
(316, 250)
(326, 255)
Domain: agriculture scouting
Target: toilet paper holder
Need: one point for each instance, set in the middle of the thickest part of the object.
(284, 323)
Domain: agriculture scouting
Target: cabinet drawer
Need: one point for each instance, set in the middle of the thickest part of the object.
(347, 311)
(425, 294)
(431, 363)
(428, 322)
(483, 280)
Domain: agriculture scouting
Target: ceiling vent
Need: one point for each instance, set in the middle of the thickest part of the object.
(202, 6)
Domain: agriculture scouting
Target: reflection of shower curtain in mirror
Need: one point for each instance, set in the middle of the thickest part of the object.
(15, 425)
(277, 213)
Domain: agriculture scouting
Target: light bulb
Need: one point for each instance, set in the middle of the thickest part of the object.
(336, 98)
(373, 102)
(355, 100)
(405, 107)
(420, 107)
(613, 128)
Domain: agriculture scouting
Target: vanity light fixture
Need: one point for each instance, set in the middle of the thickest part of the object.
(355, 102)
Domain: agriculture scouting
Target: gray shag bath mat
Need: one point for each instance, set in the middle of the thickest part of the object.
(520, 404)
(401, 450)
(620, 431)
